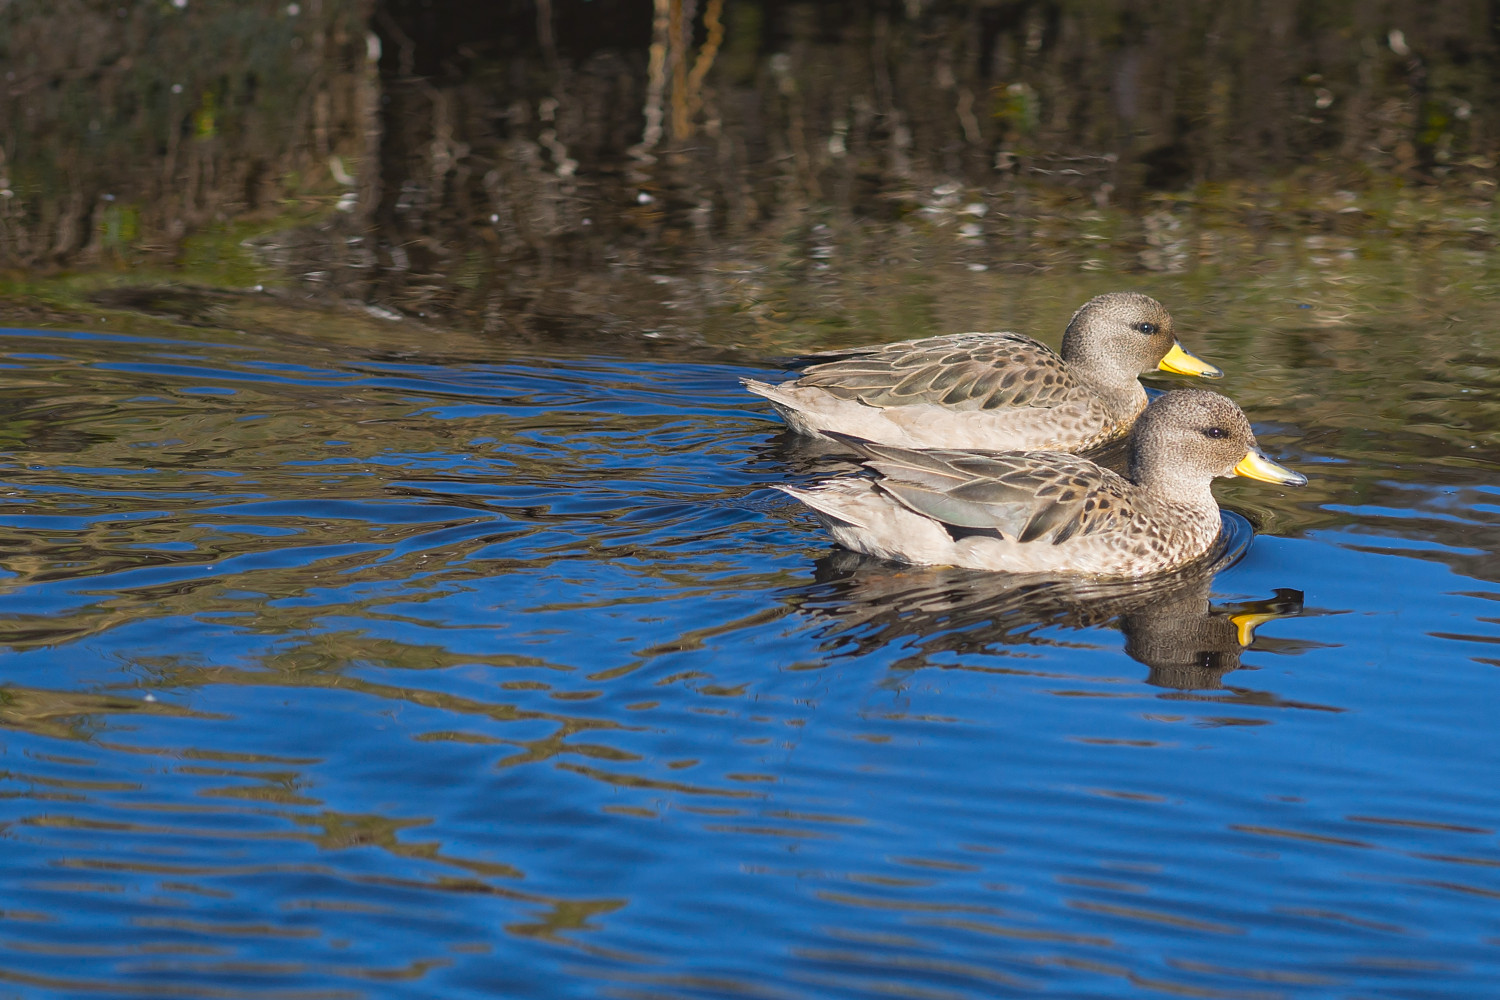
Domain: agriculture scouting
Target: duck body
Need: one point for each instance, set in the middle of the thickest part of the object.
(992, 391)
(1051, 512)
(1033, 512)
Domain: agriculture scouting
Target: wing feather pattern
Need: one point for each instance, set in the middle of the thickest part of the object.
(1041, 497)
(967, 371)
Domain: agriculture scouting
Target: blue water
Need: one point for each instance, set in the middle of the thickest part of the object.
(332, 674)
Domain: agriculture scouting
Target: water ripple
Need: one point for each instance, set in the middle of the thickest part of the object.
(332, 675)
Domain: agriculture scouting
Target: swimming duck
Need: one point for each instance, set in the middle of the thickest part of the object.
(1051, 512)
(993, 391)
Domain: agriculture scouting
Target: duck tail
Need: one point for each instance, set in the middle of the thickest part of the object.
(768, 391)
(835, 502)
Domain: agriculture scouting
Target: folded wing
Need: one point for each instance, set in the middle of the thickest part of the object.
(1024, 497)
(966, 371)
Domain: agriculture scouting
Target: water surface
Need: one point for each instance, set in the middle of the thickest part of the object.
(342, 671)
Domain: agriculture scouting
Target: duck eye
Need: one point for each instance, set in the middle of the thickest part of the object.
(1215, 432)
(1147, 328)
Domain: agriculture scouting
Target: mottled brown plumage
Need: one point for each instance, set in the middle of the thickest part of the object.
(992, 391)
(965, 371)
(1051, 511)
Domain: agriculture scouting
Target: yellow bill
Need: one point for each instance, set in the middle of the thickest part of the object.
(1257, 466)
(1183, 363)
(1246, 624)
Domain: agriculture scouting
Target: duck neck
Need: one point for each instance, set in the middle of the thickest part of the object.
(1126, 398)
(1165, 481)
(1118, 386)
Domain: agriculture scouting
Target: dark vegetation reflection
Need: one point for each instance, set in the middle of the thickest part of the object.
(512, 166)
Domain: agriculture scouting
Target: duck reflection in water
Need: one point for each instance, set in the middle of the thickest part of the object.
(1170, 623)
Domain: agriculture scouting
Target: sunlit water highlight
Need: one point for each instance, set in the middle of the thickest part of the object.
(339, 675)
